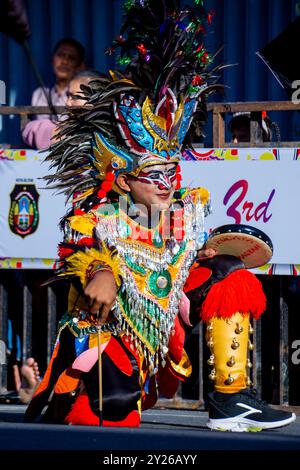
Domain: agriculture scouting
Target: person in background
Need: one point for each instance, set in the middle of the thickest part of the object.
(74, 90)
(239, 127)
(68, 59)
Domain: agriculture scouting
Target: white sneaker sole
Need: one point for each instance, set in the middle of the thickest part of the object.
(238, 424)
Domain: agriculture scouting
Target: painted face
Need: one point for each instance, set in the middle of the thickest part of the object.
(154, 186)
(163, 178)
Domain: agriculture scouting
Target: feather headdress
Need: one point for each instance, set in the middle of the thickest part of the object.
(143, 115)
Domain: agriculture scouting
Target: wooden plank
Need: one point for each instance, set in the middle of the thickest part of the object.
(283, 349)
(27, 323)
(218, 130)
(51, 321)
(256, 133)
(3, 337)
(25, 110)
(261, 145)
(256, 357)
(252, 106)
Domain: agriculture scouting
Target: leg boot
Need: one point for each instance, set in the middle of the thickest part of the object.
(233, 406)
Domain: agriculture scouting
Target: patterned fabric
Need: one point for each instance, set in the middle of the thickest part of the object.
(150, 266)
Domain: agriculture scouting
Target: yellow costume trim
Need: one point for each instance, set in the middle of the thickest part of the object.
(200, 193)
(93, 338)
(184, 368)
(79, 263)
(84, 224)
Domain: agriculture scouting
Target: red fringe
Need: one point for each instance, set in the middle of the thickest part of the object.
(240, 291)
(82, 414)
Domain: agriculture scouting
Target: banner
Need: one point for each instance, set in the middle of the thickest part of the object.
(29, 213)
(257, 187)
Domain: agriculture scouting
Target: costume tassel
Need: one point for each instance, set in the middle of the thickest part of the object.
(240, 292)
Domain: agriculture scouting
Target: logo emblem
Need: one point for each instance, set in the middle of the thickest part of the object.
(23, 216)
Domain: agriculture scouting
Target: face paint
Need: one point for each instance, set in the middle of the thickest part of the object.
(162, 179)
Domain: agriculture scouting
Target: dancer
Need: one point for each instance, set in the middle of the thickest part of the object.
(132, 239)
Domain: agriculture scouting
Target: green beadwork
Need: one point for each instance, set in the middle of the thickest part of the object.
(153, 284)
(135, 267)
(157, 240)
(181, 250)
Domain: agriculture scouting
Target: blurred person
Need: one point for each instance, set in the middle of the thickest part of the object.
(74, 90)
(45, 129)
(239, 127)
(68, 59)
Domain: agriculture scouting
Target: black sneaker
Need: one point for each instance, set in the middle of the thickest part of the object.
(242, 411)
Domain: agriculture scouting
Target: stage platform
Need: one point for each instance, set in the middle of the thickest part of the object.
(163, 432)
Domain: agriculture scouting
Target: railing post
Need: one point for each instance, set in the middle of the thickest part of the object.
(27, 323)
(218, 129)
(51, 321)
(256, 357)
(256, 133)
(283, 350)
(3, 337)
(201, 359)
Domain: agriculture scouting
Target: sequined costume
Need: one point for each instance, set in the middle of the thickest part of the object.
(133, 121)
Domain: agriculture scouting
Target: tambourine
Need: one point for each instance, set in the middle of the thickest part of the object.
(247, 243)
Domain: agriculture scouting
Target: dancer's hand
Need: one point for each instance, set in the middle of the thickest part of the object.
(101, 292)
(208, 253)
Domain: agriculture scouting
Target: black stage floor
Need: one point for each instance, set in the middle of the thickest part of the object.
(164, 432)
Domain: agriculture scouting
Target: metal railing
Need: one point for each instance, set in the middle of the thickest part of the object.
(219, 111)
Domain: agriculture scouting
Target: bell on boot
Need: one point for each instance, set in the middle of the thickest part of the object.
(235, 344)
(229, 380)
(211, 360)
(231, 362)
(238, 329)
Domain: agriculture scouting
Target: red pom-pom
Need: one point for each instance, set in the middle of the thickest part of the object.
(79, 211)
(110, 176)
(101, 194)
(178, 177)
(106, 186)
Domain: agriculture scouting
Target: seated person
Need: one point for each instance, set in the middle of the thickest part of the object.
(239, 127)
(68, 59)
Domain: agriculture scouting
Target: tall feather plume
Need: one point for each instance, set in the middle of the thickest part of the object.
(161, 46)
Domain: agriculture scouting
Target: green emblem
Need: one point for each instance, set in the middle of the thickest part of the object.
(160, 283)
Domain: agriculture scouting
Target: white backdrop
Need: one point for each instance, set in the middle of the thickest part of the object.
(20, 167)
(259, 193)
(259, 187)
